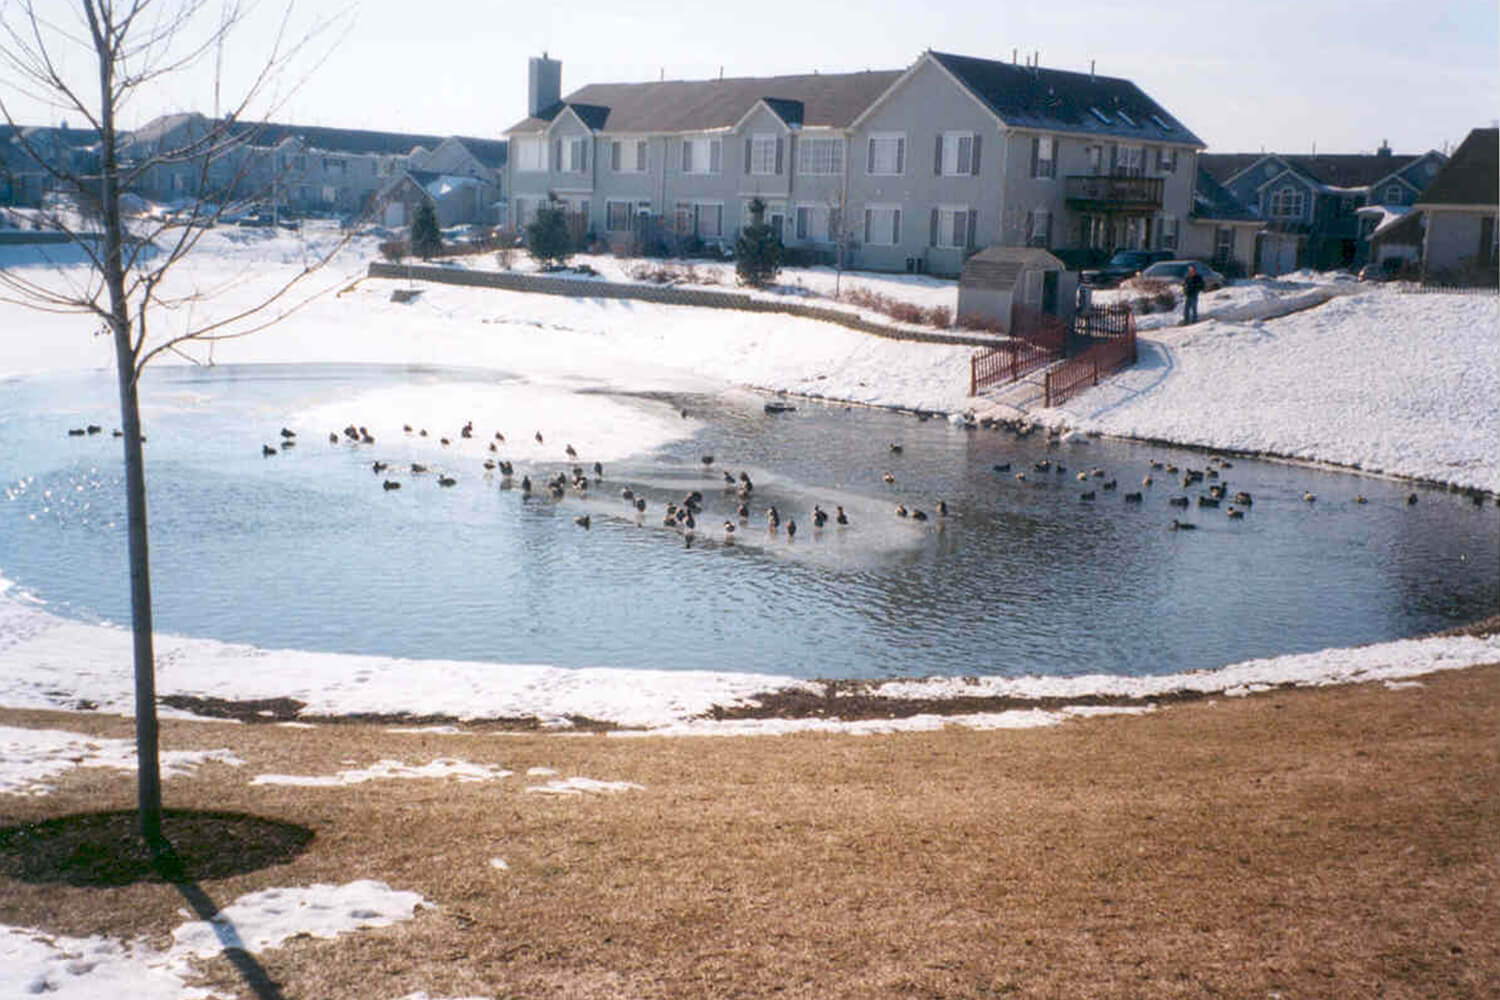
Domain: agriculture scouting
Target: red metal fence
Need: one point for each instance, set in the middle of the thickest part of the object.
(1109, 353)
(1006, 364)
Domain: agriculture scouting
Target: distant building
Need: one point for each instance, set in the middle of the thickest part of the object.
(1460, 206)
(1310, 204)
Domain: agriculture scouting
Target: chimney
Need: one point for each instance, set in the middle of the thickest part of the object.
(1091, 71)
(1385, 148)
(543, 83)
(1013, 54)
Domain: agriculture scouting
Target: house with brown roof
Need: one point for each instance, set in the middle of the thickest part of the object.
(1461, 206)
(908, 169)
(1310, 205)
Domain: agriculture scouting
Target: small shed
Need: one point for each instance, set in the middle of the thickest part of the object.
(999, 283)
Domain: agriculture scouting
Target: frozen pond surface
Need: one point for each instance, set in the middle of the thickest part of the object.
(306, 550)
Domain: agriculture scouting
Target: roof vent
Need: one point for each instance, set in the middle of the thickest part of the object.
(1162, 124)
(1126, 118)
(1100, 115)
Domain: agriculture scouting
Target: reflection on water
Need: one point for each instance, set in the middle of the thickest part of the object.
(304, 549)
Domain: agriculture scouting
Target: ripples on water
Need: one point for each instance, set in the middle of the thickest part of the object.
(305, 550)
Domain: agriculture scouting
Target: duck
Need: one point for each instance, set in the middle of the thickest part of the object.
(285, 433)
(1109, 484)
(119, 433)
(791, 528)
(689, 523)
(895, 448)
(539, 437)
(1156, 464)
(839, 516)
(1134, 497)
(351, 432)
(1308, 496)
(390, 484)
(1360, 499)
(728, 530)
(1020, 477)
(467, 431)
(901, 510)
(1411, 499)
(1243, 499)
(728, 478)
(599, 470)
(1001, 467)
(267, 450)
(1146, 480)
(422, 432)
(289, 443)
(333, 438)
(942, 508)
(489, 465)
(570, 451)
(366, 438)
(773, 518)
(525, 485)
(628, 495)
(555, 491)
(918, 515)
(742, 512)
(1183, 525)
(1171, 469)
(506, 469)
(406, 428)
(494, 449)
(820, 517)
(1043, 465)
(1177, 501)
(1083, 477)
(1208, 501)
(640, 505)
(1217, 491)
(583, 521)
(447, 481)
(380, 467)
(444, 442)
(707, 460)
(888, 478)
(418, 468)
(1236, 515)
(1086, 496)
(499, 437)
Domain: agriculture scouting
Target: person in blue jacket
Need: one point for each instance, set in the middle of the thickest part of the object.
(1192, 284)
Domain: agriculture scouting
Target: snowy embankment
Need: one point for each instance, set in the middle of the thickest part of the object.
(1402, 383)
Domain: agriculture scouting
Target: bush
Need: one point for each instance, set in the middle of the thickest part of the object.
(757, 252)
(394, 251)
(426, 240)
(547, 238)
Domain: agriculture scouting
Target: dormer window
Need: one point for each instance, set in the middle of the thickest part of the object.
(1393, 194)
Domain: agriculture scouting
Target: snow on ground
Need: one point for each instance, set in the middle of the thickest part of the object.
(31, 758)
(69, 968)
(1397, 382)
(386, 770)
(580, 786)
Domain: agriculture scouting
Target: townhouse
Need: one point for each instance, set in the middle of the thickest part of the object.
(899, 169)
(1461, 207)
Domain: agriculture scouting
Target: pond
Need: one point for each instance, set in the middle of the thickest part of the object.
(306, 549)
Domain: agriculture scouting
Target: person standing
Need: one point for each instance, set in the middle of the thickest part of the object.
(1192, 284)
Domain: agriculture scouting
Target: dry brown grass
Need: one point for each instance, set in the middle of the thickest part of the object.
(1311, 843)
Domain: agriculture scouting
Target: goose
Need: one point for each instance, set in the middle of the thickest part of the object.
(1086, 496)
(582, 520)
(380, 467)
(791, 528)
(390, 484)
(1411, 498)
(901, 510)
(1177, 502)
(942, 508)
(267, 450)
(839, 516)
(467, 431)
(1133, 498)
(447, 481)
(888, 478)
(1183, 525)
(1002, 467)
(1236, 515)
(570, 451)
(773, 518)
(288, 434)
(640, 505)
(418, 468)
(525, 485)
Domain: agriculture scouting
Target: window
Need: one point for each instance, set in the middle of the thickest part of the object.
(1100, 115)
(531, 155)
(1166, 233)
(763, 155)
(1166, 159)
(330, 194)
(1043, 156)
(333, 166)
(1038, 228)
(952, 226)
(1393, 195)
(1096, 160)
(886, 155)
(628, 156)
(1288, 203)
(1223, 245)
(957, 154)
(702, 156)
(1130, 161)
(619, 216)
(708, 220)
(820, 156)
(1125, 117)
(882, 225)
(812, 223)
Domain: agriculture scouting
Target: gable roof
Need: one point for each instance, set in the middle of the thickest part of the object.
(1064, 101)
(831, 99)
(1333, 170)
(1472, 176)
(1211, 200)
(320, 138)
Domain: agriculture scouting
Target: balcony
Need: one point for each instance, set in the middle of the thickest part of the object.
(1113, 194)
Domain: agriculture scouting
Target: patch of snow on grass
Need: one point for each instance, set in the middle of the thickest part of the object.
(385, 770)
(578, 786)
(30, 758)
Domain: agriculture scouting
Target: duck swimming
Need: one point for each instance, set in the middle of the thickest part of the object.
(839, 516)
(447, 481)
(773, 518)
(582, 521)
(390, 484)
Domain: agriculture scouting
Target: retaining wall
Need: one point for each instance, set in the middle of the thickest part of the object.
(544, 284)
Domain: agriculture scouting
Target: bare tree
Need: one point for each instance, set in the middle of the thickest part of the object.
(126, 48)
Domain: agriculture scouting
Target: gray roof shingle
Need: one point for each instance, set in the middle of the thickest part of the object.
(1472, 176)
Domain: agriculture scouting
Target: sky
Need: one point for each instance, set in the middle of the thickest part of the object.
(1276, 75)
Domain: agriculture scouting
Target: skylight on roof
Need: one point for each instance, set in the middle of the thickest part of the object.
(1126, 119)
(1100, 115)
(1163, 125)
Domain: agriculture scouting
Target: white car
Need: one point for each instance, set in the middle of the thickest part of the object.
(1176, 270)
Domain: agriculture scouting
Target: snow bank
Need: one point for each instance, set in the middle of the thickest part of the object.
(31, 758)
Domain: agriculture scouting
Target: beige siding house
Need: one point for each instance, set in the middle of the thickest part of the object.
(1461, 206)
(903, 169)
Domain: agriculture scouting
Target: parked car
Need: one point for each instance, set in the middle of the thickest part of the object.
(1124, 264)
(1386, 270)
(1176, 270)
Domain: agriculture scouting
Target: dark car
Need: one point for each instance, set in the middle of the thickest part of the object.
(1124, 264)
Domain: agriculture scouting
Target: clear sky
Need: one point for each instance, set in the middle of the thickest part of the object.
(1283, 75)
